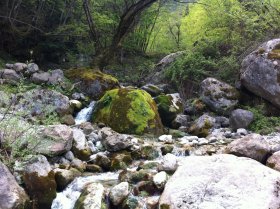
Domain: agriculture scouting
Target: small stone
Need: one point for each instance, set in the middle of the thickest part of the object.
(242, 131)
(166, 139)
(160, 179)
(169, 163)
(78, 164)
(118, 193)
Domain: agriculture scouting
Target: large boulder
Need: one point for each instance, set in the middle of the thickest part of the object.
(113, 141)
(220, 97)
(92, 83)
(54, 140)
(169, 106)
(9, 74)
(128, 110)
(260, 72)
(252, 146)
(12, 196)
(39, 180)
(43, 102)
(221, 181)
(240, 119)
(92, 197)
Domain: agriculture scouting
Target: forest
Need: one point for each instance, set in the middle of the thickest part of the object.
(139, 104)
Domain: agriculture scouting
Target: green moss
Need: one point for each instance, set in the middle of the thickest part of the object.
(274, 54)
(128, 110)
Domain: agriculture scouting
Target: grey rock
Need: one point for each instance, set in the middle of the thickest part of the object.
(18, 67)
(40, 78)
(118, 193)
(10, 75)
(240, 119)
(32, 68)
(201, 127)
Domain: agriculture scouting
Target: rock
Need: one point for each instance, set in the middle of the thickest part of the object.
(78, 164)
(152, 202)
(93, 168)
(18, 67)
(169, 163)
(75, 104)
(168, 107)
(149, 152)
(260, 75)
(130, 111)
(194, 107)
(131, 203)
(63, 177)
(240, 119)
(118, 193)
(221, 122)
(152, 89)
(56, 77)
(78, 96)
(252, 146)
(221, 181)
(166, 139)
(180, 120)
(80, 146)
(113, 141)
(145, 188)
(12, 196)
(134, 177)
(43, 102)
(166, 149)
(120, 161)
(54, 140)
(39, 180)
(40, 78)
(274, 161)
(202, 126)
(160, 179)
(220, 97)
(242, 131)
(32, 68)
(91, 198)
(103, 161)
(68, 120)
(93, 83)
(10, 75)
(69, 156)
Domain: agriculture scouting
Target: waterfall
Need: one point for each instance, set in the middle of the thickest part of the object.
(85, 114)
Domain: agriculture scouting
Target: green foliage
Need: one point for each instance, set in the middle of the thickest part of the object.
(263, 124)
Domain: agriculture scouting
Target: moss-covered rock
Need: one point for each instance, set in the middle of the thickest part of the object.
(128, 110)
(202, 126)
(168, 107)
(92, 82)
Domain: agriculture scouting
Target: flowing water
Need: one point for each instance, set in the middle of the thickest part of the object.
(68, 198)
(85, 114)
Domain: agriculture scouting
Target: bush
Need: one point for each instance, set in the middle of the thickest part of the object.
(261, 123)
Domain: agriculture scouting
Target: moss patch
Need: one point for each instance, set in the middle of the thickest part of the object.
(128, 110)
(274, 54)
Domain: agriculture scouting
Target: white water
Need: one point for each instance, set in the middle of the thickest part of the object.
(85, 114)
(68, 198)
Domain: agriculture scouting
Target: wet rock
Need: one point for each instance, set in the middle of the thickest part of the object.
(220, 97)
(120, 161)
(260, 72)
(80, 145)
(91, 198)
(202, 126)
(134, 177)
(55, 140)
(113, 141)
(146, 165)
(63, 177)
(169, 163)
(39, 180)
(129, 111)
(93, 168)
(240, 119)
(252, 146)
(274, 161)
(78, 164)
(168, 107)
(166, 149)
(215, 181)
(12, 196)
(92, 83)
(131, 202)
(118, 193)
(160, 179)
(103, 161)
(149, 152)
(75, 104)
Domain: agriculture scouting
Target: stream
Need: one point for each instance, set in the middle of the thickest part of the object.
(85, 114)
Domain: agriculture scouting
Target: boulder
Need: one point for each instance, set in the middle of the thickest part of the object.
(240, 119)
(80, 145)
(40, 78)
(128, 110)
(10, 75)
(63, 177)
(93, 83)
(168, 107)
(220, 97)
(120, 161)
(252, 146)
(202, 126)
(221, 181)
(56, 77)
(54, 140)
(274, 161)
(91, 197)
(260, 72)
(118, 193)
(39, 180)
(32, 68)
(180, 120)
(39, 102)
(12, 196)
(19, 67)
(113, 141)
(152, 89)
